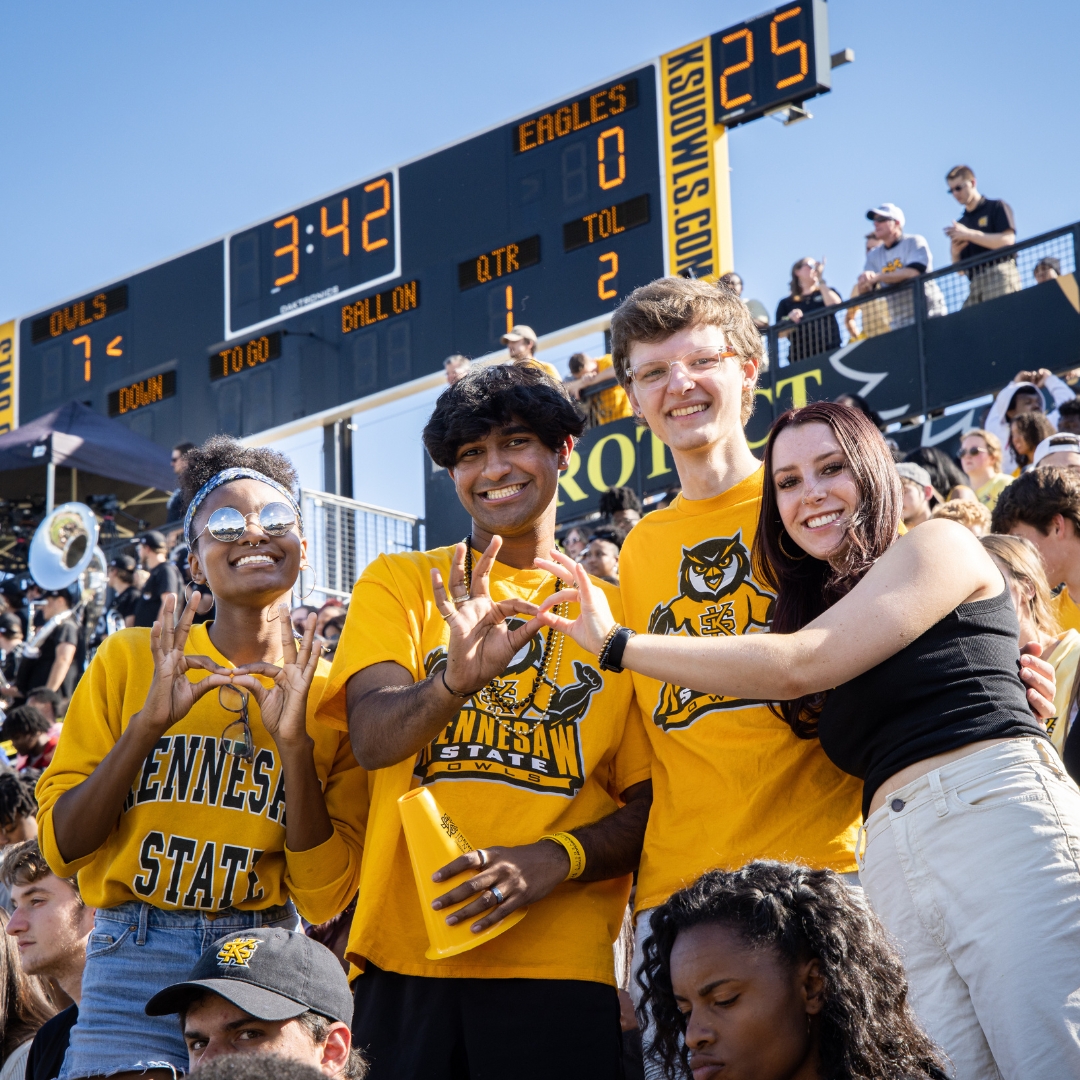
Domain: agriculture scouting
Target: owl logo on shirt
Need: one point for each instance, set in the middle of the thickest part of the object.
(499, 736)
(717, 597)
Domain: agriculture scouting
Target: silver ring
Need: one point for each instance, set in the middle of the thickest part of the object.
(499, 898)
(460, 597)
(483, 858)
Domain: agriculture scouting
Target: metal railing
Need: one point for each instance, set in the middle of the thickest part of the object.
(929, 296)
(345, 535)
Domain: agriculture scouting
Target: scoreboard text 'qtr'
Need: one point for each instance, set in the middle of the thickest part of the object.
(547, 219)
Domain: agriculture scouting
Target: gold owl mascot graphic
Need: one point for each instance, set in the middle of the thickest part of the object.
(717, 596)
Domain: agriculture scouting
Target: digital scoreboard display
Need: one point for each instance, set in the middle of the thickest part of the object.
(767, 62)
(548, 219)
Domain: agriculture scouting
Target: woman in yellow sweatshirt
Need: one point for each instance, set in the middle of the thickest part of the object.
(180, 751)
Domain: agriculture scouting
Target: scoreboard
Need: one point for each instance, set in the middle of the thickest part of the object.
(548, 220)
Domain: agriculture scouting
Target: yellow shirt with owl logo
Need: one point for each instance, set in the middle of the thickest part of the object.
(731, 782)
(505, 771)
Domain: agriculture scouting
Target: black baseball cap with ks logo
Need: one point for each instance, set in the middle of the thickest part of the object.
(270, 973)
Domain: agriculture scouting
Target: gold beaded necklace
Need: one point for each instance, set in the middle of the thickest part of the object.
(497, 696)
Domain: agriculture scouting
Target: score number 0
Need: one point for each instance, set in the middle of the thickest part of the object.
(777, 50)
(292, 222)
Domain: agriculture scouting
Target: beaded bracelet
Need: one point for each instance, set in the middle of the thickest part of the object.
(614, 646)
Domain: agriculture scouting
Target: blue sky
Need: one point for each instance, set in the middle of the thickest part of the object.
(130, 131)
(133, 131)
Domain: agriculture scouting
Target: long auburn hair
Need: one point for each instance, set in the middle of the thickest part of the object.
(805, 586)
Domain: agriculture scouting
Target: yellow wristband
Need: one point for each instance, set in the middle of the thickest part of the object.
(572, 846)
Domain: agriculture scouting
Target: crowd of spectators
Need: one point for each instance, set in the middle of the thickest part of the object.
(263, 995)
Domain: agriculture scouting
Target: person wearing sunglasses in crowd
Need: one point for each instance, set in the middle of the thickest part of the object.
(980, 458)
(182, 746)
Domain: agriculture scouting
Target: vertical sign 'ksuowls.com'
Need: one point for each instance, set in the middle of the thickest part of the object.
(695, 166)
(9, 396)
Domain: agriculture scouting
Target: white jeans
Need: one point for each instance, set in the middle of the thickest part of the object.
(975, 869)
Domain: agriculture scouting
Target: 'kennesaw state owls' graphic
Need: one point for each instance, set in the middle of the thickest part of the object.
(547, 757)
(717, 596)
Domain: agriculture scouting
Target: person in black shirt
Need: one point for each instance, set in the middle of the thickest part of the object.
(985, 225)
(52, 926)
(52, 662)
(177, 505)
(122, 583)
(164, 578)
(809, 294)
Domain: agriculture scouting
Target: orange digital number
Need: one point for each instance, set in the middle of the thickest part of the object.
(620, 146)
(343, 228)
(791, 46)
(601, 285)
(742, 65)
(291, 248)
(509, 308)
(369, 244)
(84, 341)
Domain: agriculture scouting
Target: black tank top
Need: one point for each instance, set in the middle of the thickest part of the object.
(956, 684)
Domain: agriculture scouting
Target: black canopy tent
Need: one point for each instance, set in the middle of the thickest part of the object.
(102, 458)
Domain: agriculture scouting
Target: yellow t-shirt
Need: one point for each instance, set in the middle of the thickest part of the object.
(500, 787)
(548, 369)
(611, 404)
(1068, 614)
(1064, 660)
(731, 782)
(989, 492)
(201, 829)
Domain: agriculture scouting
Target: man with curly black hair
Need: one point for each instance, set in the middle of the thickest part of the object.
(531, 749)
(777, 970)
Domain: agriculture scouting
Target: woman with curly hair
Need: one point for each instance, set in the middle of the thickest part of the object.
(182, 746)
(779, 972)
(901, 655)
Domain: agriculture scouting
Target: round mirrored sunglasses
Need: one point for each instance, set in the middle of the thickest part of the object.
(227, 524)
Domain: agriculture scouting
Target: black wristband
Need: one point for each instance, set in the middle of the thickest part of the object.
(611, 657)
(456, 693)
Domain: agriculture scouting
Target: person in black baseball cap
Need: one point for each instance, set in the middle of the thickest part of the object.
(164, 577)
(266, 991)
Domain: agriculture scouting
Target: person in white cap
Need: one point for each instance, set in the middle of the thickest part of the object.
(1025, 394)
(900, 257)
(521, 343)
(1062, 450)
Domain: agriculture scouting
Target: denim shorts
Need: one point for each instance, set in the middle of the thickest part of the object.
(134, 951)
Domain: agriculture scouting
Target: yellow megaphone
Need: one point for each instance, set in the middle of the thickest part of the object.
(434, 840)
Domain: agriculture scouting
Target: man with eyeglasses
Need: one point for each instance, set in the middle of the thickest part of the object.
(985, 225)
(732, 782)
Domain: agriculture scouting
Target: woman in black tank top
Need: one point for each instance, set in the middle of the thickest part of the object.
(901, 654)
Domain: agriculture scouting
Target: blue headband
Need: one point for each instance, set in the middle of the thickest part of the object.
(226, 476)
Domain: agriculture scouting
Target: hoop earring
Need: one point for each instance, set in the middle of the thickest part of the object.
(305, 593)
(206, 599)
(780, 544)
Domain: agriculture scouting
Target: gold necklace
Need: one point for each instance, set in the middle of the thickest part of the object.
(492, 693)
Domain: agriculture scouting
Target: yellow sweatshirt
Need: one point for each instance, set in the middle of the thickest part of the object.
(201, 829)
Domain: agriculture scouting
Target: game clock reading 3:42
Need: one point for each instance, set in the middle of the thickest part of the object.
(329, 249)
